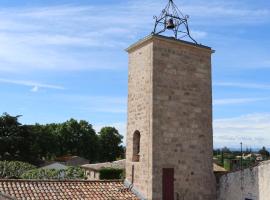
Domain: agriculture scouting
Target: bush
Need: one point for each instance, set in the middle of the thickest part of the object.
(111, 174)
(71, 173)
(14, 169)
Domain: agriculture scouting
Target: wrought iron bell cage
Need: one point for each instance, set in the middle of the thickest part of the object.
(171, 18)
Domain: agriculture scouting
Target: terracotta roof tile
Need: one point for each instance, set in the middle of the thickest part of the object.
(81, 190)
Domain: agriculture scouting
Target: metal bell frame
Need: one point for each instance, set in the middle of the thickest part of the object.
(170, 14)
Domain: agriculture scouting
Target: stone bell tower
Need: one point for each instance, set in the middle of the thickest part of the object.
(169, 130)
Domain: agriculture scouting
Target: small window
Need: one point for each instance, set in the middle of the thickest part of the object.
(136, 146)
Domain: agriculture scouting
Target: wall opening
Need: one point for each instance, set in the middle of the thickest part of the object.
(136, 146)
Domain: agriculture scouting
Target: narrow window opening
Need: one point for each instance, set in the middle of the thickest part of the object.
(136, 146)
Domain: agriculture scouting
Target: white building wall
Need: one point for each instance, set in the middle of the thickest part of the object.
(250, 184)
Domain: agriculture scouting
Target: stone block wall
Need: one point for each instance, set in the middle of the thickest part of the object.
(182, 119)
(170, 103)
(140, 117)
(251, 184)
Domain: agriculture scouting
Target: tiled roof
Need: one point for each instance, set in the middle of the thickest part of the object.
(77, 190)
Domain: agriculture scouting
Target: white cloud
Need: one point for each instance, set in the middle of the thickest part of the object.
(199, 34)
(253, 130)
(35, 85)
(243, 85)
(42, 38)
(237, 101)
(35, 89)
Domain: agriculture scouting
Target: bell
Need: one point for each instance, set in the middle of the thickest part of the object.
(170, 24)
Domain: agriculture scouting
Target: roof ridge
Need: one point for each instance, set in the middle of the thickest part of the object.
(62, 181)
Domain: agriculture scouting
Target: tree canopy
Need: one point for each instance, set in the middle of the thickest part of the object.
(110, 144)
(265, 154)
(35, 143)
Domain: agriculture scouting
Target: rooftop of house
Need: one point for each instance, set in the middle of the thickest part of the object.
(84, 190)
(218, 168)
(54, 165)
(120, 164)
(67, 158)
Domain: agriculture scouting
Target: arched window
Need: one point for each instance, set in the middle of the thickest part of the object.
(136, 146)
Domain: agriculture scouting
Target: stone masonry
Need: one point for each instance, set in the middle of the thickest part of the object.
(249, 184)
(170, 104)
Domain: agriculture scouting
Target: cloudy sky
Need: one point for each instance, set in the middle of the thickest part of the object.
(65, 58)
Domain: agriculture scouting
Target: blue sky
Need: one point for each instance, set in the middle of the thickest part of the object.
(65, 58)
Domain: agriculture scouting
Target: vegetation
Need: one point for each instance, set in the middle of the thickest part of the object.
(110, 140)
(14, 169)
(234, 160)
(265, 154)
(35, 143)
(72, 173)
(111, 174)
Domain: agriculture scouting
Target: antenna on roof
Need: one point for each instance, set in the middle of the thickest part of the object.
(171, 18)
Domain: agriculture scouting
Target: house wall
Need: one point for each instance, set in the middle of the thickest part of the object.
(253, 184)
(91, 174)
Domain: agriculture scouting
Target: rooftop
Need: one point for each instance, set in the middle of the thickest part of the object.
(66, 158)
(83, 190)
(120, 164)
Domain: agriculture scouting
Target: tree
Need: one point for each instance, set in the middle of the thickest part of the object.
(110, 144)
(265, 154)
(15, 139)
(43, 142)
(78, 138)
(226, 150)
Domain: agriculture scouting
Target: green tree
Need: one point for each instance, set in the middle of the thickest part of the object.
(265, 154)
(110, 144)
(78, 138)
(15, 139)
(44, 142)
(226, 150)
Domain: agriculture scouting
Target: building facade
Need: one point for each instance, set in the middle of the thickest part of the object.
(169, 130)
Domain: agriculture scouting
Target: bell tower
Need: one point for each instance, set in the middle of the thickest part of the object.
(169, 128)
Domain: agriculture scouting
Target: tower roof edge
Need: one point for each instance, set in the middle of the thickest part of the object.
(151, 37)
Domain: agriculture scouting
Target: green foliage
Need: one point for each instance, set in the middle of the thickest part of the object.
(111, 174)
(34, 143)
(227, 164)
(42, 174)
(110, 144)
(15, 140)
(71, 173)
(14, 169)
(74, 173)
(265, 154)
(226, 150)
(78, 138)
